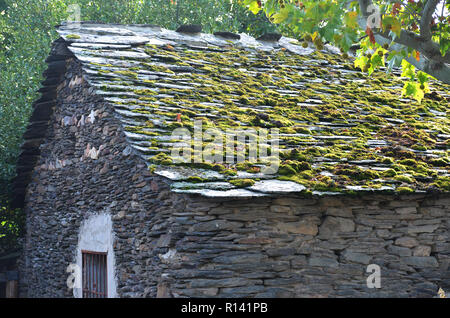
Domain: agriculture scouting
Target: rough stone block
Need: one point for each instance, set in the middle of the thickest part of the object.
(280, 209)
(332, 226)
(422, 250)
(215, 225)
(398, 250)
(356, 257)
(342, 212)
(421, 262)
(422, 229)
(323, 262)
(406, 242)
(301, 227)
(406, 210)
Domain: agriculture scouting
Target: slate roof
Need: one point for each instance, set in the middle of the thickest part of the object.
(340, 130)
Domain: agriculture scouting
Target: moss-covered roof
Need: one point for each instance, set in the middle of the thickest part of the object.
(340, 130)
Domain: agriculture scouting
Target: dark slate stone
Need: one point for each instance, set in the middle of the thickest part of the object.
(275, 292)
(51, 81)
(31, 151)
(323, 262)
(27, 160)
(18, 200)
(12, 275)
(275, 37)
(53, 58)
(19, 187)
(274, 252)
(42, 111)
(421, 261)
(190, 28)
(35, 130)
(23, 169)
(55, 68)
(49, 96)
(31, 144)
(60, 49)
(208, 274)
(47, 89)
(228, 35)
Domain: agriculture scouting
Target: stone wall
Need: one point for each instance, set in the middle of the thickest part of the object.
(84, 167)
(315, 247)
(172, 245)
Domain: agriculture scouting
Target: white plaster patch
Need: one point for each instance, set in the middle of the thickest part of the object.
(169, 256)
(96, 235)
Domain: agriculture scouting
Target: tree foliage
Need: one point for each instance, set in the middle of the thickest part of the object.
(11, 226)
(413, 34)
(27, 28)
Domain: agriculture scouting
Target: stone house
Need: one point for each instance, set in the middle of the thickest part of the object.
(361, 186)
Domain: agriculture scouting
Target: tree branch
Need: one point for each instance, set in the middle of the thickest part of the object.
(410, 39)
(432, 61)
(440, 71)
(427, 17)
(363, 5)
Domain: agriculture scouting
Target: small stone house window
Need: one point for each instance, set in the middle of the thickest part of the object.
(95, 275)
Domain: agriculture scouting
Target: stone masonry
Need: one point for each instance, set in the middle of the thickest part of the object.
(173, 245)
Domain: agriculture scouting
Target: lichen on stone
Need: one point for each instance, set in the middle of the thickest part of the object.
(339, 129)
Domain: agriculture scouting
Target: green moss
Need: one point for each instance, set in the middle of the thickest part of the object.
(161, 158)
(195, 179)
(387, 161)
(408, 162)
(152, 168)
(295, 154)
(404, 178)
(145, 92)
(389, 173)
(419, 147)
(244, 100)
(243, 166)
(157, 68)
(286, 169)
(440, 162)
(229, 172)
(404, 190)
(73, 36)
(443, 183)
(302, 130)
(242, 183)
(356, 109)
(356, 173)
(127, 73)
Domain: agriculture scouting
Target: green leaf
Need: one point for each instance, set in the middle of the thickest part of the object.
(350, 19)
(422, 77)
(281, 16)
(361, 61)
(377, 60)
(393, 24)
(408, 70)
(254, 7)
(445, 44)
(412, 89)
